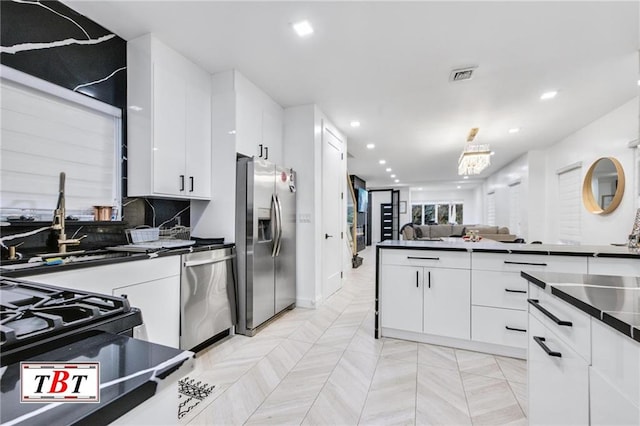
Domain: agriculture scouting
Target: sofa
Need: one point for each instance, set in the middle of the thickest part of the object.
(434, 232)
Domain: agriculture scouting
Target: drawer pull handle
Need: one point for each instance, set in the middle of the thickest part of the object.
(417, 278)
(540, 341)
(423, 258)
(536, 303)
(429, 279)
(508, 262)
(522, 330)
(508, 290)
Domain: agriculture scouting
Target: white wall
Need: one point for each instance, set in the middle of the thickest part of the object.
(405, 196)
(471, 213)
(608, 136)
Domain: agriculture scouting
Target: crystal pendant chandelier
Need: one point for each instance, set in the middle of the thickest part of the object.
(474, 159)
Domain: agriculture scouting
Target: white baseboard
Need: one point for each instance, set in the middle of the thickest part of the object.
(470, 345)
(308, 303)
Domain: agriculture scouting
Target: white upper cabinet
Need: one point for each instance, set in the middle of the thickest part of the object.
(169, 123)
(255, 119)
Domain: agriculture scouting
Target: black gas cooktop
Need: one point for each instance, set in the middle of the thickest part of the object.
(35, 317)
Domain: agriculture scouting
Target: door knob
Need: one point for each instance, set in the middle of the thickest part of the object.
(327, 236)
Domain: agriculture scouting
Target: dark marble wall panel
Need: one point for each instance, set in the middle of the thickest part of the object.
(53, 42)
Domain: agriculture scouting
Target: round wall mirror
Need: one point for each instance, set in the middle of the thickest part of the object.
(603, 186)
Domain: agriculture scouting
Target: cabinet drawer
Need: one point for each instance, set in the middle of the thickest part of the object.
(529, 262)
(577, 335)
(558, 385)
(490, 325)
(614, 266)
(427, 258)
(499, 289)
(617, 358)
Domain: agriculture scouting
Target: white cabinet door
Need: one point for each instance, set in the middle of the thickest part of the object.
(198, 138)
(248, 126)
(447, 302)
(159, 301)
(499, 289)
(608, 406)
(558, 385)
(169, 127)
(401, 297)
(272, 137)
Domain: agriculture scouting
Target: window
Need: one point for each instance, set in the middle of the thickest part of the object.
(440, 213)
(514, 208)
(491, 208)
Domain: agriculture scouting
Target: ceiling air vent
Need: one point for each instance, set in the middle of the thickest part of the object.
(461, 74)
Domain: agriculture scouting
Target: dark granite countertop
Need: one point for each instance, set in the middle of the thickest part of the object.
(490, 246)
(613, 300)
(98, 258)
(130, 370)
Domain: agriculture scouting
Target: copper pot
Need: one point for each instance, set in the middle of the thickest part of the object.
(102, 213)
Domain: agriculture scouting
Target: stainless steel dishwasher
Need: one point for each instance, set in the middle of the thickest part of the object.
(207, 295)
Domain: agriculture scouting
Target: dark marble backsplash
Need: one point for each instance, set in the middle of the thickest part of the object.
(50, 41)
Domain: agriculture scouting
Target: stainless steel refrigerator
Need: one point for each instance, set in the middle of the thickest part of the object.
(265, 242)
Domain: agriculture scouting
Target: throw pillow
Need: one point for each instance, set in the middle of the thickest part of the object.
(418, 232)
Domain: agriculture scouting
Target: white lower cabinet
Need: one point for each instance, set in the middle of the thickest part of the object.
(447, 299)
(152, 285)
(401, 297)
(558, 379)
(507, 327)
(426, 300)
(161, 315)
(608, 405)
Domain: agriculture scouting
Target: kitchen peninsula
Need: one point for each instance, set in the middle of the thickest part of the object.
(471, 295)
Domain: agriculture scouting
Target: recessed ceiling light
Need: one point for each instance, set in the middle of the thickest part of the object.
(135, 108)
(458, 187)
(397, 180)
(392, 176)
(232, 132)
(514, 130)
(303, 28)
(638, 82)
(355, 123)
(466, 177)
(419, 189)
(388, 169)
(371, 146)
(382, 162)
(549, 95)
(493, 153)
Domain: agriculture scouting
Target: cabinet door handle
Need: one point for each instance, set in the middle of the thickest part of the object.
(429, 279)
(536, 304)
(508, 262)
(423, 258)
(191, 182)
(260, 151)
(417, 278)
(540, 341)
(181, 182)
(508, 290)
(522, 330)
(266, 152)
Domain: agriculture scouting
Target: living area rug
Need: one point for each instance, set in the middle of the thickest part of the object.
(191, 392)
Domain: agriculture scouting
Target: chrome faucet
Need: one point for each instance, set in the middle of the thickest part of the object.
(58, 220)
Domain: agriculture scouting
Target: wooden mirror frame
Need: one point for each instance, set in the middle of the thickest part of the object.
(589, 201)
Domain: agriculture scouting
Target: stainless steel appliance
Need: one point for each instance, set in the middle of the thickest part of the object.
(207, 296)
(265, 240)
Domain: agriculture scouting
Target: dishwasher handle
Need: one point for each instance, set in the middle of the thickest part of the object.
(191, 263)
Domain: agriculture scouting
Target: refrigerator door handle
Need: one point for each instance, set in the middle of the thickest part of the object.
(279, 225)
(276, 225)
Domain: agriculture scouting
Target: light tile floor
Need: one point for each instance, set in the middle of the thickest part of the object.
(324, 366)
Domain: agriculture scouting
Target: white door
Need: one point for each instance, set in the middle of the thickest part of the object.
(333, 180)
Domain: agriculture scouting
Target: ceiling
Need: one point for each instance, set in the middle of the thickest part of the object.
(387, 65)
